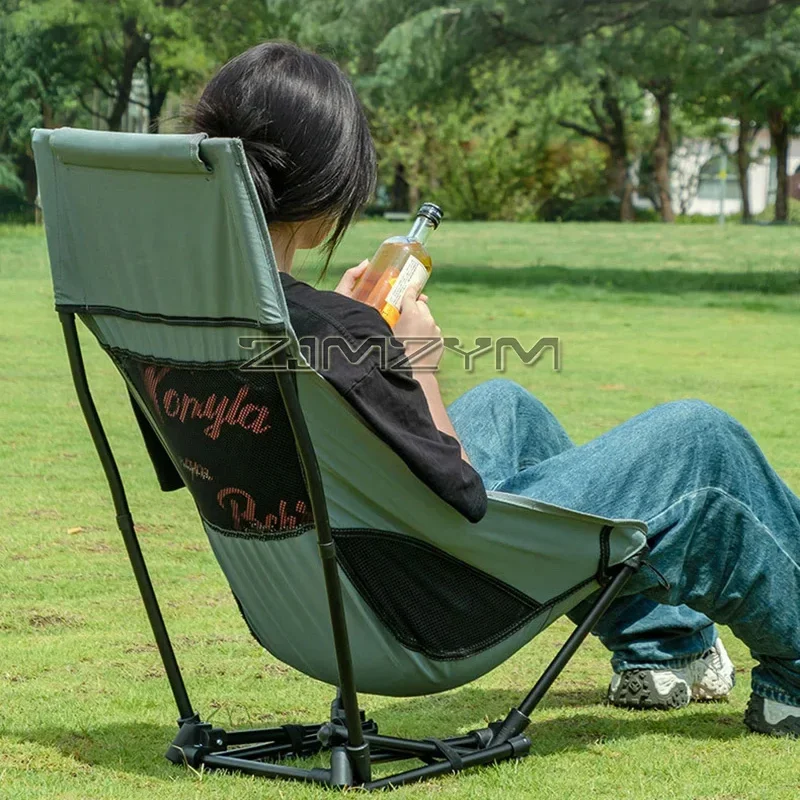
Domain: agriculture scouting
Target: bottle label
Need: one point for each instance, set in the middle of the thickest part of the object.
(414, 275)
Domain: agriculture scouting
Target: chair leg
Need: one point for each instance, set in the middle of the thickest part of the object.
(124, 518)
(519, 718)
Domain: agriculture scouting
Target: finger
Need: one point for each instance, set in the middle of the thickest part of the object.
(424, 311)
(409, 301)
(423, 298)
(354, 273)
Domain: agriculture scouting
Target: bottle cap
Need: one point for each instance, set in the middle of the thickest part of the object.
(432, 212)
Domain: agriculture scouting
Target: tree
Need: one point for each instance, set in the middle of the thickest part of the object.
(772, 60)
(39, 69)
(168, 43)
(647, 59)
(780, 99)
(609, 102)
(748, 69)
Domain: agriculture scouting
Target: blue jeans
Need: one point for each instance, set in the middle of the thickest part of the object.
(724, 528)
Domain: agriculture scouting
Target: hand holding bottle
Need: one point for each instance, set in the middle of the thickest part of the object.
(400, 262)
(349, 280)
(417, 325)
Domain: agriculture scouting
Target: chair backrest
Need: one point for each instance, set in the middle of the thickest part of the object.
(159, 244)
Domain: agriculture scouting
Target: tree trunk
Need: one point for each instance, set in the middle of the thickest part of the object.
(779, 135)
(610, 131)
(620, 181)
(615, 134)
(662, 152)
(743, 166)
(156, 94)
(154, 108)
(47, 115)
(134, 49)
(413, 198)
(26, 169)
(399, 196)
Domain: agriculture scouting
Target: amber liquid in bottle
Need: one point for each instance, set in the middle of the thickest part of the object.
(400, 263)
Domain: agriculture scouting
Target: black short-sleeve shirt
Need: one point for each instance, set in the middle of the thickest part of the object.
(352, 347)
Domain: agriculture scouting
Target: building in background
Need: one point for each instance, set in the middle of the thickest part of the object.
(697, 182)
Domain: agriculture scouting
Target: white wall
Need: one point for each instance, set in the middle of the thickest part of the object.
(761, 177)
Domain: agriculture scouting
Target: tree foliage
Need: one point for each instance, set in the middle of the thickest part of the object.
(499, 108)
(625, 58)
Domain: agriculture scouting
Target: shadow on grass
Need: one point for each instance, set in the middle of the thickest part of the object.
(473, 707)
(660, 281)
(126, 747)
(139, 748)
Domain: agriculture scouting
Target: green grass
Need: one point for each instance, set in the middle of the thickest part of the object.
(84, 707)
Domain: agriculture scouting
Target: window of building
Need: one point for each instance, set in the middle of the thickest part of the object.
(710, 178)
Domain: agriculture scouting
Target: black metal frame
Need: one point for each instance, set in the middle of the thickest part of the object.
(353, 741)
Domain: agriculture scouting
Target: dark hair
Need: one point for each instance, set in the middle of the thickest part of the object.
(303, 129)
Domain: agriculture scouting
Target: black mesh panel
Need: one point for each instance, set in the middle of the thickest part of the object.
(433, 603)
(229, 436)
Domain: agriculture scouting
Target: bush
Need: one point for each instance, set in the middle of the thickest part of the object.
(14, 208)
(768, 214)
(600, 208)
(594, 209)
(702, 219)
(491, 157)
(571, 173)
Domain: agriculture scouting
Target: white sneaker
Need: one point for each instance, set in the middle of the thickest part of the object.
(710, 677)
(772, 717)
(713, 675)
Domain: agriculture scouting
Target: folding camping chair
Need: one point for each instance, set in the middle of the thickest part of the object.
(159, 245)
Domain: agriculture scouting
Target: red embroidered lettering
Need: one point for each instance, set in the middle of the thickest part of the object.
(152, 377)
(208, 408)
(258, 426)
(246, 410)
(187, 401)
(249, 513)
(245, 519)
(171, 410)
(218, 415)
(230, 417)
(218, 409)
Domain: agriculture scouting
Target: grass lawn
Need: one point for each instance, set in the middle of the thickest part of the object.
(645, 314)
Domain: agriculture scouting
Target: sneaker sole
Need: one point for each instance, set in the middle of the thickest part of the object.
(637, 689)
(754, 719)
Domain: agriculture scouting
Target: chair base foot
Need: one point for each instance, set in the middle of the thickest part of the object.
(264, 752)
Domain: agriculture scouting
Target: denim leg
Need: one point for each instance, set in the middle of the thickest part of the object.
(644, 634)
(505, 430)
(724, 528)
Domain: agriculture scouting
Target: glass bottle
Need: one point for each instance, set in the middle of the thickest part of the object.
(399, 263)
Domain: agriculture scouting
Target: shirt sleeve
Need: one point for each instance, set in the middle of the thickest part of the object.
(395, 406)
